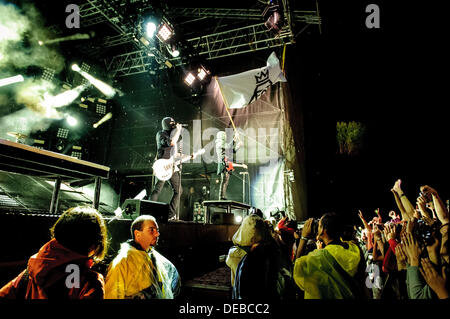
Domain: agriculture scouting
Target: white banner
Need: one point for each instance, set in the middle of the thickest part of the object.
(242, 89)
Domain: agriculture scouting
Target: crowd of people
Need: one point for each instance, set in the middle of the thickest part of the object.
(404, 257)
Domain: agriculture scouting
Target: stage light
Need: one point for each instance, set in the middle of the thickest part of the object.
(48, 74)
(11, 80)
(105, 118)
(165, 32)
(40, 43)
(175, 53)
(202, 73)
(62, 133)
(100, 109)
(76, 68)
(189, 79)
(71, 120)
(172, 49)
(238, 219)
(141, 195)
(150, 29)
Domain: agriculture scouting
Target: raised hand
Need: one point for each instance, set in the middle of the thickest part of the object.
(433, 279)
(428, 190)
(401, 257)
(422, 204)
(389, 231)
(376, 233)
(307, 228)
(412, 249)
(319, 244)
(398, 187)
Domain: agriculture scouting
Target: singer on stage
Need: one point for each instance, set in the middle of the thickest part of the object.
(169, 144)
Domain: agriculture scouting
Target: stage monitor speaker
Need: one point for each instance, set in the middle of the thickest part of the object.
(222, 218)
(132, 208)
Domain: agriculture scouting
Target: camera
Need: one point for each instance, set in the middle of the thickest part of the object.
(424, 233)
(279, 214)
(314, 227)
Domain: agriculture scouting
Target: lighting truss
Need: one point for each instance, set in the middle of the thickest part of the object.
(237, 41)
(240, 40)
(217, 45)
(90, 14)
(130, 63)
(310, 17)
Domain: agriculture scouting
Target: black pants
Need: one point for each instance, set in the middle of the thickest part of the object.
(175, 182)
(224, 180)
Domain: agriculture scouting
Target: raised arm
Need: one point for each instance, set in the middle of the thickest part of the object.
(406, 208)
(441, 210)
(422, 204)
(366, 225)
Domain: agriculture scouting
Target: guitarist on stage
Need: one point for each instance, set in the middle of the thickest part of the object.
(168, 142)
(224, 164)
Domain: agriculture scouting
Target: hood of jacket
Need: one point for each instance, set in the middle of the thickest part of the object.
(165, 123)
(348, 258)
(49, 264)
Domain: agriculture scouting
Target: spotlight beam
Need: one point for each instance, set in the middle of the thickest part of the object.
(77, 36)
(64, 98)
(11, 80)
(105, 118)
(107, 90)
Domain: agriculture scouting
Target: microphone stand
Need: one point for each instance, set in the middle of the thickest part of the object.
(244, 174)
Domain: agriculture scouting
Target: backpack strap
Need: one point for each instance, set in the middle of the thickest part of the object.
(354, 286)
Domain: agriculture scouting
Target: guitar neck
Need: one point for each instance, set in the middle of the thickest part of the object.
(188, 157)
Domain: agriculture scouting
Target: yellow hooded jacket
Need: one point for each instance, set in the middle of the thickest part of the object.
(317, 276)
(134, 274)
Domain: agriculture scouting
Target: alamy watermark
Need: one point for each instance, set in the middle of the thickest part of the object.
(73, 19)
(73, 279)
(373, 19)
(259, 145)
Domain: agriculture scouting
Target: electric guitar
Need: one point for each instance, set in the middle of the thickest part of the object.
(229, 166)
(164, 168)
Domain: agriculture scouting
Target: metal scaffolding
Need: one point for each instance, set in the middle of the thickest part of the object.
(310, 17)
(238, 40)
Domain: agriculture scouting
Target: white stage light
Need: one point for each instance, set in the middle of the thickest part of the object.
(150, 29)
(202, 73)
(238, 219)
(71, 120)
(175, 53)
(76, 68)
(165, 32)
(189, 79)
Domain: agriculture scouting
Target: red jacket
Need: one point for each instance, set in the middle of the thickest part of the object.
(47, 276)
(390, 261)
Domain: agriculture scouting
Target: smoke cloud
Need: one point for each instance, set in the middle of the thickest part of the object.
(20, 31)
